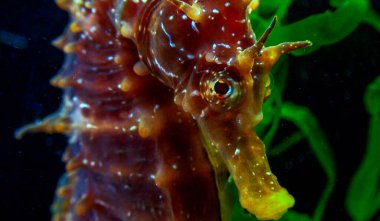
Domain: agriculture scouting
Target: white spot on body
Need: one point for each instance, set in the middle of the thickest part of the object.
(89, 126)
(84, 105)
(237, 151)
(167, 35)
(229, 62)
(190, 56)
(224, 45)
(215, 11)
(194, 93)
(174, 166)
(194, 26)
(93, 29)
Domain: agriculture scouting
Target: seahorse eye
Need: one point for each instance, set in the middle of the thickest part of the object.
(221, 89)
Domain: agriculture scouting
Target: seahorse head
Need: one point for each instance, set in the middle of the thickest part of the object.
(207, 53)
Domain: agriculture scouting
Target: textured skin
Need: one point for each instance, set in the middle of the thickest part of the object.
(133, 154)
(149, 86)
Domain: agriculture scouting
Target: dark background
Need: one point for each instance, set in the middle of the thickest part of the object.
(330, 82)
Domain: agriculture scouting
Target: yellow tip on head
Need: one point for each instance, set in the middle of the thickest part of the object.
(270, 206)
(194, 12)
(253, 5)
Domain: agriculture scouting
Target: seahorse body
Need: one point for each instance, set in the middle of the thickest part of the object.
(145, 81)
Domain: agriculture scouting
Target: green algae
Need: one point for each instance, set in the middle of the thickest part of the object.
(363, 198)
(322, 29)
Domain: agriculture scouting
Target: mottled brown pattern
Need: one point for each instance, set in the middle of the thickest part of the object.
(134, 155)
(149, 86)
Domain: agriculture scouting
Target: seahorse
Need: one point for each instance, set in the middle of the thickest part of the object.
(160, 101)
